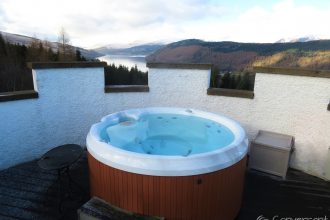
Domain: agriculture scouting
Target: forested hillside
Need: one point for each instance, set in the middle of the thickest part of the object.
(14, 74)
(122, 75)
(233, 56)
(233, 62)
(27, 41)
(296, 58)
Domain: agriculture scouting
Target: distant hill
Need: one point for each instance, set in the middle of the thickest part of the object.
(234, 56)
(142, 50)
(26, 40)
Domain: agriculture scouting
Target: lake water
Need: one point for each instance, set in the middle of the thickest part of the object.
(129, 61)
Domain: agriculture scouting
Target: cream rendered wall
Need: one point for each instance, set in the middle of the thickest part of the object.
(71, 100)
(296, 105)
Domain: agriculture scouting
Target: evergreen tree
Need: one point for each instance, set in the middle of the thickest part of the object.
(214, 76)
(122, 75)
(238, 83)
(3, 50)
(14, 74)
(225, 81)
(79, 57)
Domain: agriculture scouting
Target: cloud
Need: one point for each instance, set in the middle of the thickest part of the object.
(100, 22)
(116, 20)
(3, 17)
(284, 20)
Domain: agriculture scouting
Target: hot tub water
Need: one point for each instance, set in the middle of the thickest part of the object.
(167, 134)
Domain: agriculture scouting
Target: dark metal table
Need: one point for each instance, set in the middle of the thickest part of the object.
(60, 159)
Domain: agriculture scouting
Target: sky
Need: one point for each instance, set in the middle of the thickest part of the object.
(95, 23)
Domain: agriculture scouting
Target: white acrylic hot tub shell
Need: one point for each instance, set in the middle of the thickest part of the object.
(158, 165)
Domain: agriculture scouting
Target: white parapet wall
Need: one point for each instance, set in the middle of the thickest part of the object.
(296, 105)
(72, 98)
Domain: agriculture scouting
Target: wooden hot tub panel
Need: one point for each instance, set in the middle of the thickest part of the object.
(215, 195)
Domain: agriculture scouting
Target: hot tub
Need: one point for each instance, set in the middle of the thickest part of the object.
(171, 162)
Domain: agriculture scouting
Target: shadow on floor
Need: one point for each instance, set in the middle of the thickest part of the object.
(28, 192)
(298, 196)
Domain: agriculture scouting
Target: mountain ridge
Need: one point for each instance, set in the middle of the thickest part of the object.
(236, 56)
(142, 49)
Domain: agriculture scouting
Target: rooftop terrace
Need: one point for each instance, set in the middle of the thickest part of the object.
(68, 98)
(27, 192)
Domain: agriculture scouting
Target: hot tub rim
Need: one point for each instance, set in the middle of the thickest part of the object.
(158, 165)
